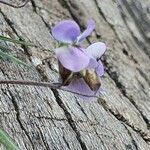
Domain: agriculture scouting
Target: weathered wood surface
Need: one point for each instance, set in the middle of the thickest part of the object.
(40, 118)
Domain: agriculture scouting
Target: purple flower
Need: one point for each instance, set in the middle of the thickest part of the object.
(82, 65)
(89, 81)
(72, 56)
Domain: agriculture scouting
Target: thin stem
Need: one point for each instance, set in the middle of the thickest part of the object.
(34, 83)
(15, 6)
(44, 84)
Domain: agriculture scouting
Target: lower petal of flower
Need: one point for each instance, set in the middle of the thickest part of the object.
(79, 86)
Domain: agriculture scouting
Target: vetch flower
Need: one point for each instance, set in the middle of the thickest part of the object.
(87, 82)
(72, 56)
(80, 69)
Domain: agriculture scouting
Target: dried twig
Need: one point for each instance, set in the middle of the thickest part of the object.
(15, 6)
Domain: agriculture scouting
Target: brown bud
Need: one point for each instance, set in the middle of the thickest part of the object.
(65, 74)
(92, 79)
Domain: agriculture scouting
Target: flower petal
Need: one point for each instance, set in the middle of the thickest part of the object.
(72, 58)
(92, 63)
(66, 31)
(79, 86)
(96, 50)
(100, 68)
(87, 32)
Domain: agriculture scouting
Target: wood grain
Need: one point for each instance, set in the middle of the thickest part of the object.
(41, 118)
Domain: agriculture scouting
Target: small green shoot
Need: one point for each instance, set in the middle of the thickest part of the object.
(7, 141)
(5, 55)
(10, 57)
(3, 38)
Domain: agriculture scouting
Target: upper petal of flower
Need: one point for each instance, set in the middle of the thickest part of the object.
(96, 50)
(87, 32)
(72, 58)
(100, 68)
(66, 31)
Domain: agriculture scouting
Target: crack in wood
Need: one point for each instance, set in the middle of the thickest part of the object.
(139, 43)
(113, 29)
(100, 139)
(144, 76)
(70, 120)
(114, 77)
(137, 23)
(121, 118)
(68, 4)
(132, 139)
(16, 107)
(81, 108)
(9, 23)
(66, 142)
(19, 118)
(35, 10)
(4, 113)
(43, 139)
(33, 6)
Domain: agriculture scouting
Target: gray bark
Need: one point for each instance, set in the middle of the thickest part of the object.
(41, 118)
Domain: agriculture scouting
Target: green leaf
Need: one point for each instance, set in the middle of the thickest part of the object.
(7, 141)
(9, 56)
(3, 38)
